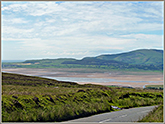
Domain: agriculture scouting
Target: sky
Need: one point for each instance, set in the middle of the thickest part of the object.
(50, 30)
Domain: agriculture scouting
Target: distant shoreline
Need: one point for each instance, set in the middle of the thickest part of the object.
(13, 60)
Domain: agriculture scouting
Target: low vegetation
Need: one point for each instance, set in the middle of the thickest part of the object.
(154, 116)
(35, 99)
(156, 87)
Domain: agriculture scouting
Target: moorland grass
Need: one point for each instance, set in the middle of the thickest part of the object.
(34, 99)
(154, 116)
(157, 87)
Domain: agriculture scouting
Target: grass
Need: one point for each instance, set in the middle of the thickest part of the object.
(34, 99)
(154, 116)
(158, 87)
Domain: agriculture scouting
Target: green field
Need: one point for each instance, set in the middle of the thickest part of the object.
(35, 99)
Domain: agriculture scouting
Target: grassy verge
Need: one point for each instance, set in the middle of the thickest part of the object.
(158, 87)
(57, 64)
(154, 116)
(34, 99)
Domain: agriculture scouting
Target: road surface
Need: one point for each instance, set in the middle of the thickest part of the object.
(125, 115)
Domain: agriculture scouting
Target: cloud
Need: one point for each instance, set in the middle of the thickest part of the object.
(18, 20)
(14, 21)
(87, 46)
(15, 33)
(76, 17)
(15, 7)
(145, 40)
(81, 28)
(34, 8)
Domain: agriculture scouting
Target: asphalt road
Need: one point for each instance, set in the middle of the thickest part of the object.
(125, 115)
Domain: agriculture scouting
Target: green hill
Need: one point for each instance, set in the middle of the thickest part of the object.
(143, 59)
(140, 57)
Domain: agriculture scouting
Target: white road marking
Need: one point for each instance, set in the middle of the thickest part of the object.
(123, 116)
(105, 120)
(111, 118)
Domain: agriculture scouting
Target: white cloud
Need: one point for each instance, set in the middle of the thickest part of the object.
(18, 20)
(148, 37)
(13, 32)
(110, 16)
(15, 7)
(81, 26)
(145, 40)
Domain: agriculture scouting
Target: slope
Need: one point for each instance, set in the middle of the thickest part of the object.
(138, 57)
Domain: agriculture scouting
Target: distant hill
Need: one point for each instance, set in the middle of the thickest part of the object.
(142, 59)
(138, 58)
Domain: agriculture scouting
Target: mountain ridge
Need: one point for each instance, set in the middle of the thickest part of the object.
(141, 59)
(147, 53)
(138, 57)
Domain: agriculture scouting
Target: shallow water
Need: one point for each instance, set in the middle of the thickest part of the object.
(95, 80)
(90, 79)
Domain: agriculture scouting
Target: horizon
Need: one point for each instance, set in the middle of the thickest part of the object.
(76, 58)
(67, 29)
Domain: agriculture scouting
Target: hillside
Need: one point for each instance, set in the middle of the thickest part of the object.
(143, 59)
(139, 57)
(35, 99)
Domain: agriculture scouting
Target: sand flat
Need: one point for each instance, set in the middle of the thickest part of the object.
(131, 76)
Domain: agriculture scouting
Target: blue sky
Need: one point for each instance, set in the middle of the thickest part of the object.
(37, 30)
